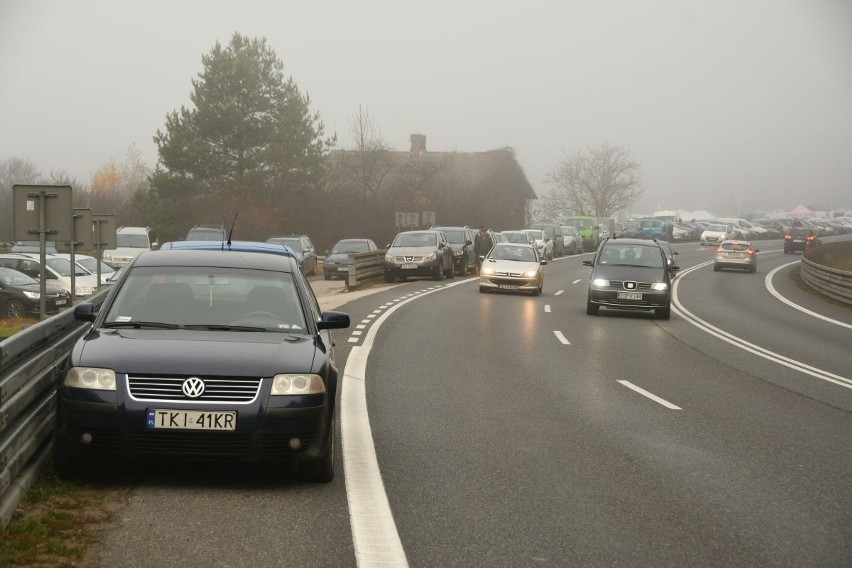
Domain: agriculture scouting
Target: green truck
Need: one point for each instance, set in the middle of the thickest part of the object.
(592, 229)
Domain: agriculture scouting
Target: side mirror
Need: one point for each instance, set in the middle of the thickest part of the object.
(84, 312)
(329, 320)
(543, 262)
(587, 263)
(468, 242)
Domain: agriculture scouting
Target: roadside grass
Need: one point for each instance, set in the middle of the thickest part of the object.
(11, 326)
(57, 522)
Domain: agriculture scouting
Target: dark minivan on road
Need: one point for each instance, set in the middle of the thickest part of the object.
(212, 354)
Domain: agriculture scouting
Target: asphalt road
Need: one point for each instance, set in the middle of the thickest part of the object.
(518, 431)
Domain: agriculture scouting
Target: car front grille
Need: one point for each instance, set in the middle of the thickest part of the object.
(408, 258)
(216, 445)
(216, 389)
(620, 284)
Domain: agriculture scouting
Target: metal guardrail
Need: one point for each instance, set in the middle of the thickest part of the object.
(29, 369)
(817, 273)
(362, 266)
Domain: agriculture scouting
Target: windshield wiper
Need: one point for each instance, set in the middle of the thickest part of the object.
(139, 324)
(225, 327)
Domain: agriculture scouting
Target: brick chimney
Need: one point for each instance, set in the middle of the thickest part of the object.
(418, 144)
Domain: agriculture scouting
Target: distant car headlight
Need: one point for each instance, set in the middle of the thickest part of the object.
(600, 283)
(294, 384)
(85, 290)
(431, 256)
(90, 378)
(659, 286)
(32, 295)
(458, 253)
(486, 270)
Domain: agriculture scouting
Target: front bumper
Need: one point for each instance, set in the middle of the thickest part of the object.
(413, 268)
(650, 299)
(509, 283)
(109, 424)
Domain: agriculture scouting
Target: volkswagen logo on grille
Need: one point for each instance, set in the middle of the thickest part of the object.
(193, 387)
(630, 285)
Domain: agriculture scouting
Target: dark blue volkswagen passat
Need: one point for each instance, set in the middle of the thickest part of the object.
(218, 354)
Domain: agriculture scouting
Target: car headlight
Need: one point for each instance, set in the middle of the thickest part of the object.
(294, 384)
(531, 273)
(431, 256)
(85, 290)
(486, 270)
(600, 283)
(32, 295)
(389, 257)
(90, 378)
(458, 253)
(659, 286)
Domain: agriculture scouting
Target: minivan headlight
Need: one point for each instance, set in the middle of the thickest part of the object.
(290, 384)
(600, 283)
(659, 286)
(90, 378)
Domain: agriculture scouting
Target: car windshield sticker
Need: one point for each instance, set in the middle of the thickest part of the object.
(123, 318)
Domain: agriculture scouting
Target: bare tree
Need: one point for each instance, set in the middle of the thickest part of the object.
(370, 163)
(597, 181)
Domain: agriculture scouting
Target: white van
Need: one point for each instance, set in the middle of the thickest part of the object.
(747, 229)
(57, 271)
(130, 243)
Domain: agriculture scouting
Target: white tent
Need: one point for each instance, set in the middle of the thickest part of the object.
(800, 211)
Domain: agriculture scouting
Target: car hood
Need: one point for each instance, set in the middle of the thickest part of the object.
(124, 251)
(338, 257)
(513, 266)
(635, 273)
(411, 251)
(185, 352)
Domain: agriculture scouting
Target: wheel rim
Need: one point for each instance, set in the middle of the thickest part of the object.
(15, 310)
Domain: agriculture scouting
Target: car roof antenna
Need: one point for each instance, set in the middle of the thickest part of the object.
(231, 232)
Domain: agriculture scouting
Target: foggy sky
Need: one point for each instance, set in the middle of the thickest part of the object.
(728, 105)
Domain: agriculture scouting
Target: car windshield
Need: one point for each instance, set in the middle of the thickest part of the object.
(124, 240)
(11, 277)
(350, 246)
(415, 240)
(294, 244)
(205, 235)
(91, 265)
(510, 252)
(455, 236)
(717, 228)
(735, 246)
(208, 298)
(536, 233)
(516, 237)
(62, 266)
(618, 254)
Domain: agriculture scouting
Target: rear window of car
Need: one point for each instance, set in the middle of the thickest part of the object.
(738, 247)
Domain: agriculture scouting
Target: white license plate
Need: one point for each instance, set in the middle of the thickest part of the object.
(409, 266)
(629, 296)
(507, 287)
(60, 302)
(343, 269)
(192, 419)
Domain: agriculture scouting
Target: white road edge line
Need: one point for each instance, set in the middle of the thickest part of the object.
(652, 396)
(777, 294)
(558, 292)
(547, 308)
(562, 339)
(745, 345)
(577, 281)
(374, 533)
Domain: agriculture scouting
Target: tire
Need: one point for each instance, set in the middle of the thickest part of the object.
(663, 313)
(389, 277)
(537, 291)
(592, 309)
(483, 290)
(439, 273)
(716, 268)
(451, 273)
(462, 266)
(15, 309)
(320, 470)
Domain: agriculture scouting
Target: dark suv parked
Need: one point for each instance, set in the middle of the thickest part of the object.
(419, 253)
(205, 354)
(461, 239)
(630, 274)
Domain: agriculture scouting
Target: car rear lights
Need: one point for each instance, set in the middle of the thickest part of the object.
(788, 237)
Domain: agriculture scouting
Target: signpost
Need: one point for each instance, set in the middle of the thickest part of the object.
(43, 210)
